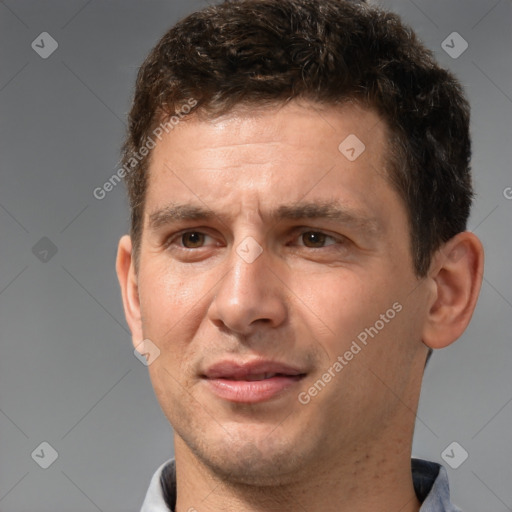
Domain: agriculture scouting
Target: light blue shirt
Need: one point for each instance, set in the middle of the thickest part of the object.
(429, 478)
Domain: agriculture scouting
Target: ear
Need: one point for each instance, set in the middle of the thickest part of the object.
(127, 276)
(456, 276)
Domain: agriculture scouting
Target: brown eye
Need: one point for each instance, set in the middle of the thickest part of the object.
(192, 239)
(314, 239)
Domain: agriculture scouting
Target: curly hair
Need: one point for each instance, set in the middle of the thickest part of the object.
(267, 52)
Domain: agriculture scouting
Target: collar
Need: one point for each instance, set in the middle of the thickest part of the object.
(429, 478)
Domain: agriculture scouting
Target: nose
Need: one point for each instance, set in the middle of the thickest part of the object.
(251, 295)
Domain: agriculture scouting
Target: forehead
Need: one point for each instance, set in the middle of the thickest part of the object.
(273, 156)
(302, 123)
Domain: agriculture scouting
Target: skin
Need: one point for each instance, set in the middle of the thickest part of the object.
(303, 301)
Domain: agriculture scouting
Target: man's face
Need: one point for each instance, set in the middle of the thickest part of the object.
(266, 253)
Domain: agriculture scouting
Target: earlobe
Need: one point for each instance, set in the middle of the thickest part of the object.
(127, 277)
(456, 274)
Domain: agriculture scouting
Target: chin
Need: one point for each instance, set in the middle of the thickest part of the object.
(249, 455)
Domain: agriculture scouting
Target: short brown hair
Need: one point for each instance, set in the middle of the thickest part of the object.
(265, 52)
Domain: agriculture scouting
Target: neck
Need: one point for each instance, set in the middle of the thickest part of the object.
(372, 477)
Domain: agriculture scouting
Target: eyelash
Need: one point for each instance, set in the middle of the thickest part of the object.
(179, 237)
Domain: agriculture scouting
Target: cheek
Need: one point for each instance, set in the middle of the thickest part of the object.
(340, 304)
(171, 305)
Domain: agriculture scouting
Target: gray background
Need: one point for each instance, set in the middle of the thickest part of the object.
(68, 375)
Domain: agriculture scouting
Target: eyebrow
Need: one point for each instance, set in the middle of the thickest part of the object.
(331, 210)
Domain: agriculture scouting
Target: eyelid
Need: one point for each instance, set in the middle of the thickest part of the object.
(297, 233)
(171, 239)
(305, 229)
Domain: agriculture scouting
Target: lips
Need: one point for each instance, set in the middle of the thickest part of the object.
(251, 370)
(259, 376)
(251, 382)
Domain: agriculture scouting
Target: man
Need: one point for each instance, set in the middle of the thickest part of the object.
(299, 180)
